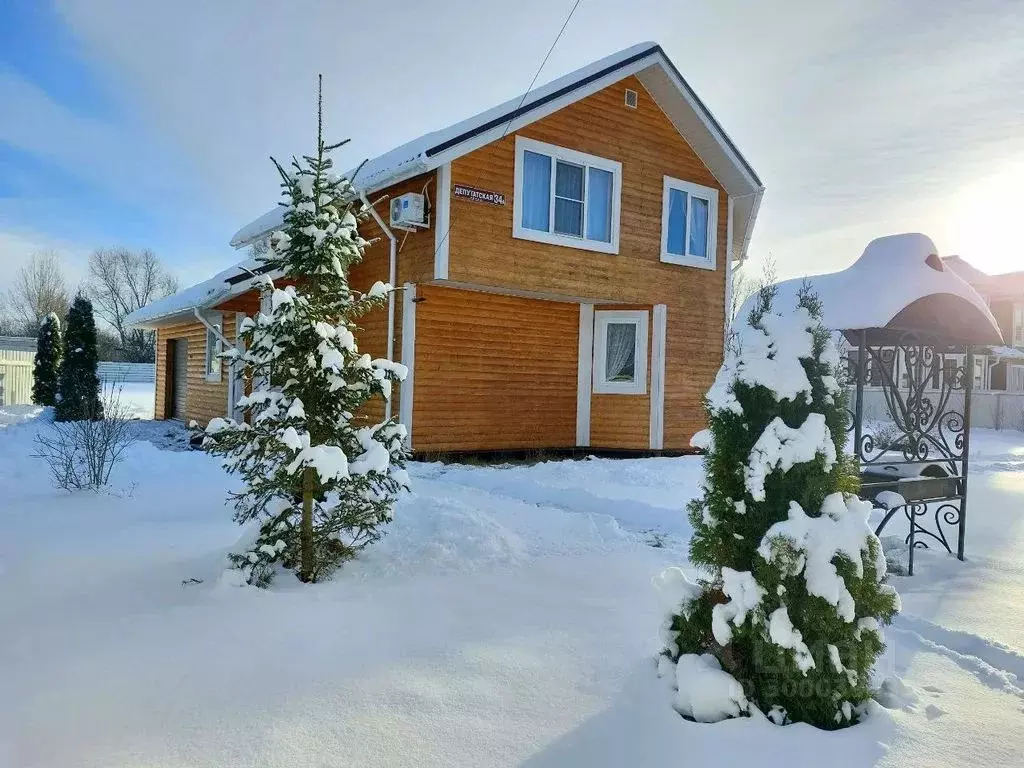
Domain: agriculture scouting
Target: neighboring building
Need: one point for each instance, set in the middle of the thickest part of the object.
(1004, 295)
(17, 359)
(566, 288)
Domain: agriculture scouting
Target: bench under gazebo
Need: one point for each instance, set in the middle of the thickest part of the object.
(909, 326)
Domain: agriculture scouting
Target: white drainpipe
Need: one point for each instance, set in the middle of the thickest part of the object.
(392, 276)
(211, 328)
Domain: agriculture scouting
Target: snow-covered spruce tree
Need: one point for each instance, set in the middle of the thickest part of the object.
(49, 353)
(78, 388)
(789, 619)
(320, 485)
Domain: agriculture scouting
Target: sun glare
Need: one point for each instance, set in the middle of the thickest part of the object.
(984, 221)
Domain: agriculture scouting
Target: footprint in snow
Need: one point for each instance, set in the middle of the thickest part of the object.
(932, 711)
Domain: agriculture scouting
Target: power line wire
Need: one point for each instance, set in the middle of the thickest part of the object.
(523, 99)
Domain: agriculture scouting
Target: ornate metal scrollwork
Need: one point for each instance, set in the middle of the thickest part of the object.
(919, 382)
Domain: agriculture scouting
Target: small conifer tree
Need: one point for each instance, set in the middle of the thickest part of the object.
(795, 599)
(78, 389)
(320, 485)
(49, 353)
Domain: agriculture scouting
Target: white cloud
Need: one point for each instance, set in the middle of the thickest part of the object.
(16, 248)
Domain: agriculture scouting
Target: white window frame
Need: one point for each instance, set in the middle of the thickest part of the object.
(692, 190)
(556, 153)
(601, 321)
(1018, 326)
(216, 320)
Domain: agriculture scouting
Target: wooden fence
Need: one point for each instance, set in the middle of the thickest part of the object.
(17, 356)
(125, 373)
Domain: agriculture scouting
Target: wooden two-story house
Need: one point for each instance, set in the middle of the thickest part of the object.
(1004, 294)
(565, 286)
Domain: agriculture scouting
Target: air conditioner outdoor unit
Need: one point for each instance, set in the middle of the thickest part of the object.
(407, 212)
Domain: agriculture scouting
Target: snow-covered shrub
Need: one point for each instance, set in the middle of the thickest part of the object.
(319, 484)
(82, 453)
(46, 369)
(795, 600)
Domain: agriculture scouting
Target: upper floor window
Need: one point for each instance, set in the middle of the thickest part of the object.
(566, 197)
(1018, 326)
(689, 220)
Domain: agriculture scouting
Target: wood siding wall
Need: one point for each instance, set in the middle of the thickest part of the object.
(483, 251)
(204, 399)
(493, 372)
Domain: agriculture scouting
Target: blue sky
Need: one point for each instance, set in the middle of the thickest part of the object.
(149, 123)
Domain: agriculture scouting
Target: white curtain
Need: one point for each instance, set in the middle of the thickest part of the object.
(620, 352)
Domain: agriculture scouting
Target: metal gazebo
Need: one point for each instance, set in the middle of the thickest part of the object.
(910, 324)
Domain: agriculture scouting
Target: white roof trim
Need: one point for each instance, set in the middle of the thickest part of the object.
(434, 149)
(181, 305)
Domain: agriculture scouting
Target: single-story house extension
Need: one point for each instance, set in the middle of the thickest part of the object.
(562, 264)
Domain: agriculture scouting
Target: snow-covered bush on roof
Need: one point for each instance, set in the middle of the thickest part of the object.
(319, 481)
(795, 596)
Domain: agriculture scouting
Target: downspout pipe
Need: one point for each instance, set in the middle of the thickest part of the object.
(392, 277)
(211, 328)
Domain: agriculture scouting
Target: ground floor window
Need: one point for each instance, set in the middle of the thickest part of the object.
(214, 348)
(620, 352)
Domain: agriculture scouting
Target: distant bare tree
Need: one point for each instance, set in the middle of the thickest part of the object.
(745, 285)
(121, 281)
(38, 290)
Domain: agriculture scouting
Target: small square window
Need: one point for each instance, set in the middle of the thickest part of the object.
(689, 218)
(620, 352)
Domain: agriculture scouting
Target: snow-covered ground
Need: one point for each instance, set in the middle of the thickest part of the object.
(507, 618)
(135, 397)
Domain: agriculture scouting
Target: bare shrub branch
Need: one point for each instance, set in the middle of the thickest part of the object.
(82, 454)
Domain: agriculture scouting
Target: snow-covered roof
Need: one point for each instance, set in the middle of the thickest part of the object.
(646, 60)
(1007, 353)
(893, 273)
(198, 296)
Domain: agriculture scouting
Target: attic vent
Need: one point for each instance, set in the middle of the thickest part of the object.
(631, 99)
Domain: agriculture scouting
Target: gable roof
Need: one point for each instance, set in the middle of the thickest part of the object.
(655, 71)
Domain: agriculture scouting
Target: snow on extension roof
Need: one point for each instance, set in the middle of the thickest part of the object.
(1007, 353)
(892, 273)
(195, 296)
(647, 60)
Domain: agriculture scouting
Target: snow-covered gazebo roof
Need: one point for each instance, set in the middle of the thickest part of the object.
(898, 284)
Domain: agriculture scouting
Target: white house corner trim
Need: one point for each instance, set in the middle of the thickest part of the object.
(658, 335)
(442, 221)
(728, 268)
(408, 359)
(584, 374)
